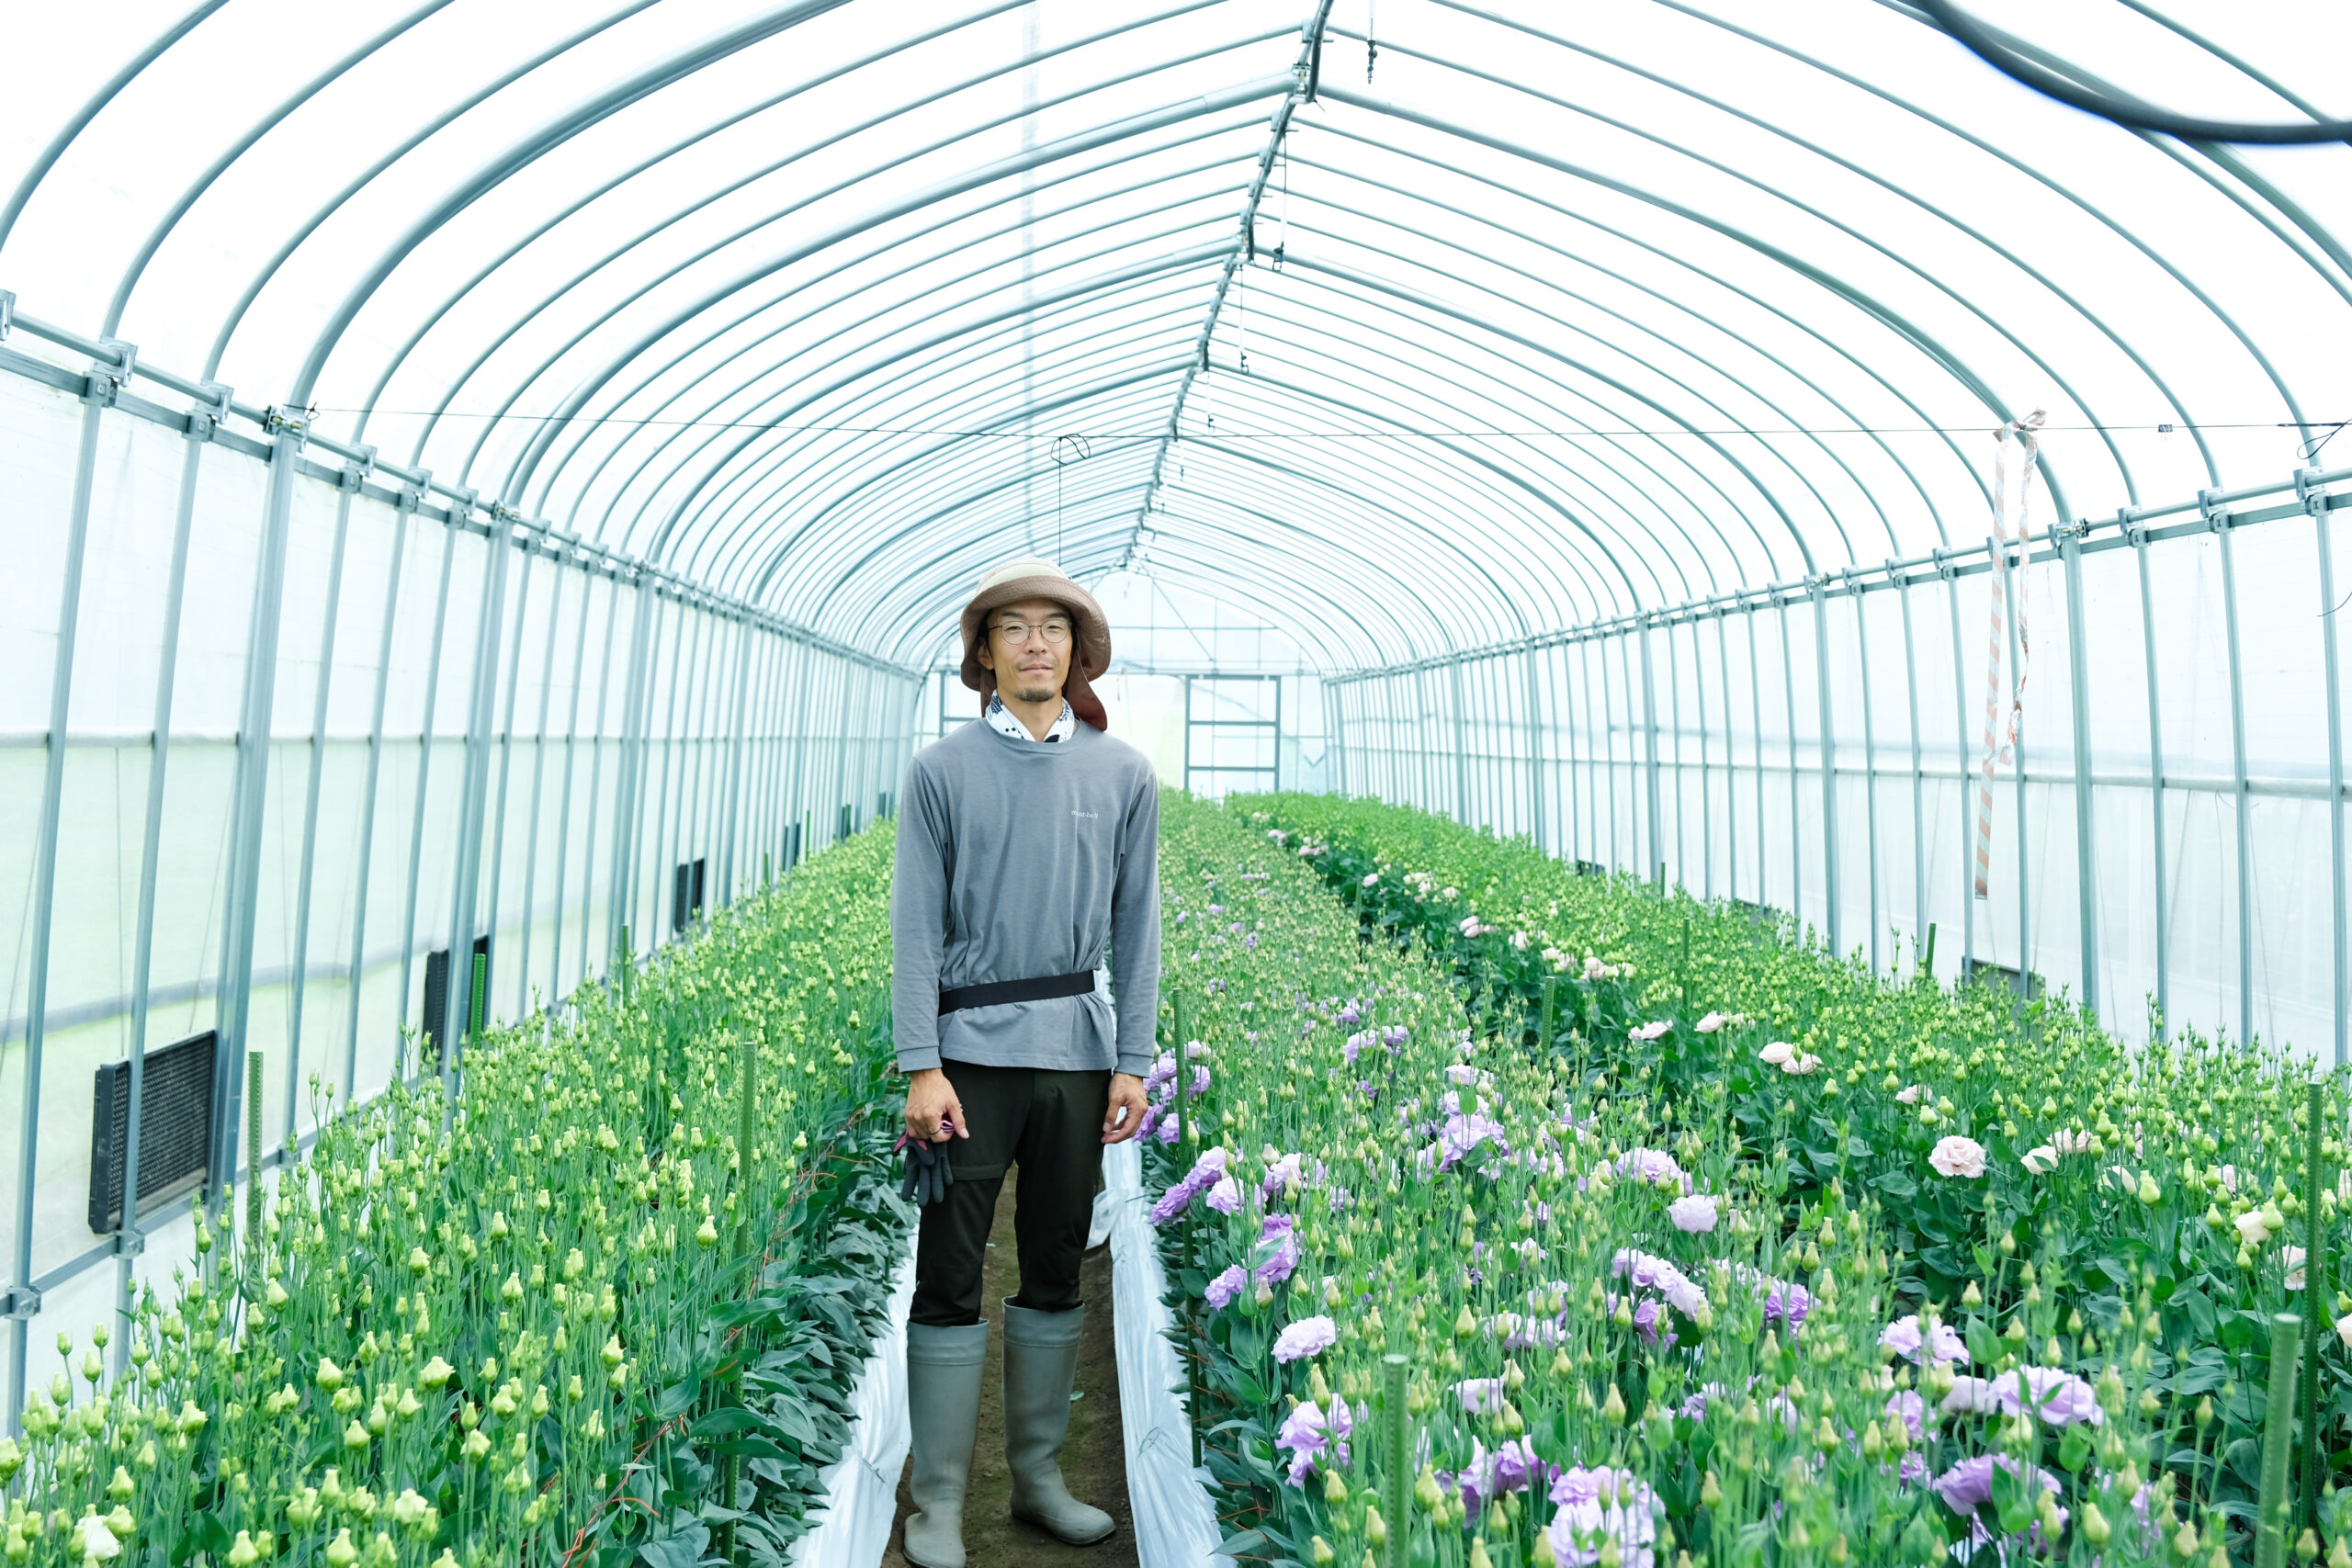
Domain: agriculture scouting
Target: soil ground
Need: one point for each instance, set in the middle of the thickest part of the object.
(1095, 1459)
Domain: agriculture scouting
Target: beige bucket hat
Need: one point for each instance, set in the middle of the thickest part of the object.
(1030, 577)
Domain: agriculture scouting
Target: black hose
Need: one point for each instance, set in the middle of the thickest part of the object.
(2121, 108)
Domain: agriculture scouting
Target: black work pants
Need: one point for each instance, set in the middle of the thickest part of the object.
(1050, 1124)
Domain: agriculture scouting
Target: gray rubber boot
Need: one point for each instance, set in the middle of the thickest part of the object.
(1040, 1362)
(943, 1409)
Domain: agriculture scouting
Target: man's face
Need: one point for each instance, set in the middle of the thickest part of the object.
(1029, 645)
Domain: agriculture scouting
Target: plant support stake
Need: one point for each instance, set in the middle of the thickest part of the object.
(2315, 1307)
(2277, 1444)
(252, 1163)
(1396, 1443)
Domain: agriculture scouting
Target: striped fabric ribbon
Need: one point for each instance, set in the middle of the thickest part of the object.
(2001, 745)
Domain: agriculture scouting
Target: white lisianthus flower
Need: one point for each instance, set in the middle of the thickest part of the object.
(1957, 1156)
(1779, 1054)
(1910, 1096)
(2040, 1160)
(2252, 1229)
(1709, 1024)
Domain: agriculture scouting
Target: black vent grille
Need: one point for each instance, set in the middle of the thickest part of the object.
(436, 995)
(174, 1128)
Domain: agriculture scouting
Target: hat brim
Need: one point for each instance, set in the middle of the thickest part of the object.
(1090, 658)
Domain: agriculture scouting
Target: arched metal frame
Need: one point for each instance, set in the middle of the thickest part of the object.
(1553, 367)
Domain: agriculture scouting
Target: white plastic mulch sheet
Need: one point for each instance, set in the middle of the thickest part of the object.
(1174, 1524)
(862, 1486)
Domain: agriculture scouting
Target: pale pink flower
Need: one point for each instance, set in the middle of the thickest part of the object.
(1307, 1337)
(1779, 1054)
(1956, 1155)
(1652, 1031)
(2252, 1228)
(1910, 1096)
(1709, 1024)
(2040, 1160)
(1696, 1212)
(1804, 1063)
(1371, 878)
(2293, 1260)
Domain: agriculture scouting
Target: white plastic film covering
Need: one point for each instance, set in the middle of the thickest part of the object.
(1174, 1524)
(862, 1486)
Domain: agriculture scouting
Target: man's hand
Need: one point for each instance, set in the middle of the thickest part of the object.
(932, 1109)
(1125, 1113)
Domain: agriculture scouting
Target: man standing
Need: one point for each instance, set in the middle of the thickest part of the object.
(1024, 841)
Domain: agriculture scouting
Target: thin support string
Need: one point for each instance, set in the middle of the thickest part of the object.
(2002, 745)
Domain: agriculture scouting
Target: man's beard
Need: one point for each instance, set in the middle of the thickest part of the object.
(1033, 689)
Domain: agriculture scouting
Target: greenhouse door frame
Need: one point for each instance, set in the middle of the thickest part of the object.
(1273, 770)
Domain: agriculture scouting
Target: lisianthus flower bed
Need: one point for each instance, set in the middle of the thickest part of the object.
(2031, 1175)
(1624, 1333)
(544, 1324)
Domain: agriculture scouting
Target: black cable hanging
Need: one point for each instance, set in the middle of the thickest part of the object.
(2123, 109)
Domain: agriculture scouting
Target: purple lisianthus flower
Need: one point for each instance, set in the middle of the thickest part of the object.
(1596, 1507)
(1355, 1043)
(1276, 1254)
(1644, 1272)
(1967, 1485)
(1653, 1166)
(1225, 1196)
(1907, 1407)
(2057, 1398)
(1307, 1337)
(1480, 1396)
(1280, 1173)
(1395, 1035)
(1464, 1073)
(1695, 1212)
(1223, 1288)
(1350, 1015)
(1971, 1396)
(1903, 1337)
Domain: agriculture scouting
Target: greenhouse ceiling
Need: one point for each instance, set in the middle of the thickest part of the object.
(1411, 325)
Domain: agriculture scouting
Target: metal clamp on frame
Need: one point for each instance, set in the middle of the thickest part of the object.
(1944, 567)
(2135, 533)
(2308, 491)
(108, 375)
(20, 1301)
(356, 471)
(2216, 515)
(281, 420)
(412, 496)
(461, 506)
(8, 313)
(205, 420)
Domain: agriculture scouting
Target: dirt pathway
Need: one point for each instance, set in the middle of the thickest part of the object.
(1094, 1460)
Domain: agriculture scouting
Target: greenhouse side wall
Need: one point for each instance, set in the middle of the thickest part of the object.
(2197, 856)
(613, 726)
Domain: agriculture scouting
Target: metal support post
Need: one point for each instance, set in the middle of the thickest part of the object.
(474, 800)
(1869, 758)
(2139, 538)
(2219, 521)
(1945, 570)
(1796, 792)
(402, 514)
(449, 536)
(2070, 554)
(531, 818)
(252, 793)
(354, 475)
(1535, 812)
(129, 1238)
(2314, 500)
(1832, 889)
(1918, 778)
(21, 1302)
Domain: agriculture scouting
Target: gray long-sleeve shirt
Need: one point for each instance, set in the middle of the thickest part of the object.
(1015, 862)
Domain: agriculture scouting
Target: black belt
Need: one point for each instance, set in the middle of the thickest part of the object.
(996, 993)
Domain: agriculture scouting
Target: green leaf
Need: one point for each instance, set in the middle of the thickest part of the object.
(1240, 1542)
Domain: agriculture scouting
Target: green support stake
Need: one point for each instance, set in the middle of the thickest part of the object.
(748, 1094)
(1184, 1151)
(253, 1163)
(767, 869)
(2277, 1444)
(1550, 1013)
(620, 963)
(479, 999)
(1927, 965)
(2315, 1310)
(1396, 1445)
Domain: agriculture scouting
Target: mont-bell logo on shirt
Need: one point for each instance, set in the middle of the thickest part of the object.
(1090, 816)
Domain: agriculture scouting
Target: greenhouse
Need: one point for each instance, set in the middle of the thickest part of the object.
(1735, 945)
